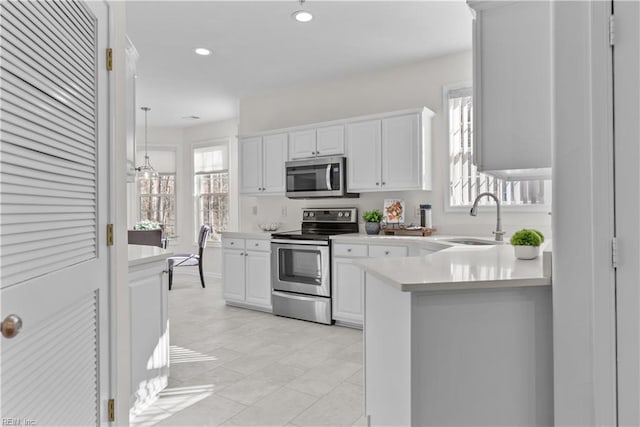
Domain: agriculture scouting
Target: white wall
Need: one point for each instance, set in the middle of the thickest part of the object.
(409, 86)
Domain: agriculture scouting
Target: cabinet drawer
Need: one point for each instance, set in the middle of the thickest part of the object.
(342, 249)
(233, 243)
(376, 251)
(258, 245)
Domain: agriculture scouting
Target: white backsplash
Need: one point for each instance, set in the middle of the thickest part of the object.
(288, 213)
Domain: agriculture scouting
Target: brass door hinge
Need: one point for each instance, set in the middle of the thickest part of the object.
(111, 409)
(109, 59)
(109, 234)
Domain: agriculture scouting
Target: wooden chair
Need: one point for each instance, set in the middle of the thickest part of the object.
(183, 260)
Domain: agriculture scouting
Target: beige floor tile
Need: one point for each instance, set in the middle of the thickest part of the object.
(211, 411)
(193, 369)
(357, 378)
(244, 367)
(342, 407)
(325, 377)
(250, 389)
(275, 409)
(250, 363)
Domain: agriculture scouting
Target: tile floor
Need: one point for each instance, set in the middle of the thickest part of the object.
(232, 366)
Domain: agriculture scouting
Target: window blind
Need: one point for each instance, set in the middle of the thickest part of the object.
(465, 182)
(211, 159)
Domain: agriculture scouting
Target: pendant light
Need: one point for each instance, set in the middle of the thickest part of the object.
(146, 171)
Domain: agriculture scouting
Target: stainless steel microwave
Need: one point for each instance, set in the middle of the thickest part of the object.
(320, 177)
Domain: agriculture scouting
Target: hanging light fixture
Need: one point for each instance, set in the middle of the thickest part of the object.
(146, 171)
(302, 15)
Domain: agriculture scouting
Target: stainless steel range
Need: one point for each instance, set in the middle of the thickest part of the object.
(301, 264)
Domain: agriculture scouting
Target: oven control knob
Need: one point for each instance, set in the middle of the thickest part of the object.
(306, 214)
(347, 214)
(339, 214)
(312, 214)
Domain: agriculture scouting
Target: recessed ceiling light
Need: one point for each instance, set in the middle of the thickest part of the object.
(191, 117)
(302, 16)
(202, 51)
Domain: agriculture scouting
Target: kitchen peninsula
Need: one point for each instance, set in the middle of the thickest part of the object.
(462, 336)
(148, 293)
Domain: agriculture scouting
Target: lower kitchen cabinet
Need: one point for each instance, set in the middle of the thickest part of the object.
(149, 314)
(348, 292)
(349, 280)
(246, 273)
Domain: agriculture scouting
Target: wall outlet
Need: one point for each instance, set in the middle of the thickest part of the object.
(254, 210)
(284, 211)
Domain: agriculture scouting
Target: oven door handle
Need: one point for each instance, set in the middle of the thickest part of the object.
(301, 243)
(328, 177)
(295, 296)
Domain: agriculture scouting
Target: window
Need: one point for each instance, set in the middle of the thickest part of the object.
(465, 182)
(157, 196)
(211, 181)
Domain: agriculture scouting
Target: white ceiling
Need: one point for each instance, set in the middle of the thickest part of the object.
(259, 49)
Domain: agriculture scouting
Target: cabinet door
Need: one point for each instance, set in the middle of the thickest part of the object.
(512, 85)
(363, 153)
(302, 144)
(401, 156)
(348, 291)
(258, 278)
(233, 275)
(330, 141)
(274, 154)
(251, 165)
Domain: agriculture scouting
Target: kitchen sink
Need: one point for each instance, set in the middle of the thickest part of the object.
(472, 241)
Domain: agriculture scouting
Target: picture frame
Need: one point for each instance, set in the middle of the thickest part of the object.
(394, 211)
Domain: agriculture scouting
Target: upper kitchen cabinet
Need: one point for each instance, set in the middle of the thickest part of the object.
(390, 153)
(262, 164)
(512, 88)
(322, 141)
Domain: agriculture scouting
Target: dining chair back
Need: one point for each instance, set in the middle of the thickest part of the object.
(184, 260)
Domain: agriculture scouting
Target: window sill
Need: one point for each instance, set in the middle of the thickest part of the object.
(528, 209)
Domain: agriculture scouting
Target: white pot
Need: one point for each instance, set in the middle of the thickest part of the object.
(526, 252)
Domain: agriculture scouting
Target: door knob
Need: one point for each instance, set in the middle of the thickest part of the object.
(11, 326)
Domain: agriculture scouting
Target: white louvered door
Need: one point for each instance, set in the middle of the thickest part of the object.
(53, 212)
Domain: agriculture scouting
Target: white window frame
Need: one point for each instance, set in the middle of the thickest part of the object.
(150, 150)
(214, 143)
(175, 201)
(537, 208)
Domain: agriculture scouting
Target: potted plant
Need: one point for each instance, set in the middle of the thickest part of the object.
(372, 224)
(526, 243)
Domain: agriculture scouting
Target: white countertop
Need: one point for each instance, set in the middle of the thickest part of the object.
(142, 254)
(459, 267)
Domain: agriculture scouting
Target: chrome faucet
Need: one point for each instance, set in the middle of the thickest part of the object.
(474, 211)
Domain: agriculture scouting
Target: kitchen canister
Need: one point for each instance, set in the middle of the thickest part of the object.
(425, 216)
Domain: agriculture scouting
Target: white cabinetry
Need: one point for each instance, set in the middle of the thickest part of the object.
(149, 315)
(262, 164)
(246, 272)
(512, 88)
(323, 141)
(391, 153)
(349, 280)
